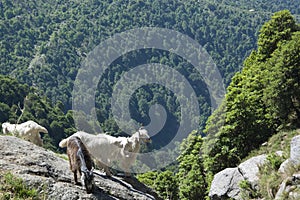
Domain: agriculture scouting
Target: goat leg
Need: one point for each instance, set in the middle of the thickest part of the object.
(75, 177)
(103, 166)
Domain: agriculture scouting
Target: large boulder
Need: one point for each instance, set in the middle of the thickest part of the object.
(294, 160)
(295, 151)
(50, 175)
(226, 184)
(250, 169)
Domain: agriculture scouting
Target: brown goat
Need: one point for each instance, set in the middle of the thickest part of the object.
(80, 161)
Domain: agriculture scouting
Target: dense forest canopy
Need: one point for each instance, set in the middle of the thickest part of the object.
(43, 43)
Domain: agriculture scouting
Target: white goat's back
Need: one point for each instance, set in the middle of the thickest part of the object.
(28, 131)
(106, 148)
(100, 146)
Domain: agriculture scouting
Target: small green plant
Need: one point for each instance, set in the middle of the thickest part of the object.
(270, 179)
(148, 178)
(63, 156)
(12, 187)
(275, 160)
(247, 191)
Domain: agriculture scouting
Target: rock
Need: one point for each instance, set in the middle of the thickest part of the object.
(285, 166)
(295, 150)
(294, 195)
(250, 169)
(287, 188)
(279, 153)
(50, 175)
(282, 188)
(264, 144)
(225, 184)
(296, 178)
(294, 159)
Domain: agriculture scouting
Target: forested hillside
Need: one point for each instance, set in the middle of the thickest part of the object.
(20, 103)
(43, 44)
(262, 100)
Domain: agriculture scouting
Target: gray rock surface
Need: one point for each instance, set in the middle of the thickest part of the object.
(289, 188)
(294, 160)
(250, 169)
(50, 174)
(225, 184)
(285, 166)
(295, 150)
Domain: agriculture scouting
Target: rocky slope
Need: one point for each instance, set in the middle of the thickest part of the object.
(226, 183)
(50, 175)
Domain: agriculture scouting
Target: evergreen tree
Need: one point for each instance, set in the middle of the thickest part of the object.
(278, 29)
(166, 185)
(282, 94)
(192, 185)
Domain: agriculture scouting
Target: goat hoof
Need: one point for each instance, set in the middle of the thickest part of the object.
(77, 183)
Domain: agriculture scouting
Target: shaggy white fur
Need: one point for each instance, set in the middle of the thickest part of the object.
(106, 149)
(29, 131)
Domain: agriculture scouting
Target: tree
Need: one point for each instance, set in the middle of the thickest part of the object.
(4, 112)
(282, 94)
(166, 185)
(191, 175)
(278, 29)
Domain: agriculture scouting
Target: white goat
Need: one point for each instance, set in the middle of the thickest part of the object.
(29, 131)
(106, 149)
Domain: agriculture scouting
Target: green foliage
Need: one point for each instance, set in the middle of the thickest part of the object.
(278, 142)
(278, 29)
(269, 180)
(20, 103)
(191, 177)
(284, 73)
(148, 178)
(166, 185)
(12, 187)
(246, 190)
(189, 182)
(43, 44)
(269, 177)
(260, 99)
(275, 160)
(4, 112)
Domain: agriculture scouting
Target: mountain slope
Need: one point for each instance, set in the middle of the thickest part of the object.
(43, 43)
(68, 30)
(51, 177)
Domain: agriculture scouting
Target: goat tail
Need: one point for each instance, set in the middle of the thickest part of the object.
(63, 143)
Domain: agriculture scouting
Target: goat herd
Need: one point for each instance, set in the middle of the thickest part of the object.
(83, 148)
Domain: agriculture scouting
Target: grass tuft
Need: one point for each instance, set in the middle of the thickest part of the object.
(12, 187)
